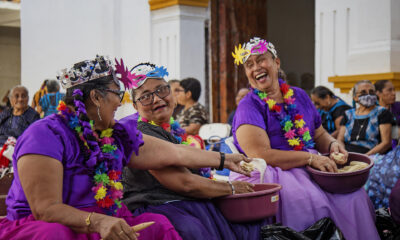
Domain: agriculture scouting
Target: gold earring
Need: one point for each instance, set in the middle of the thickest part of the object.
(98, 113)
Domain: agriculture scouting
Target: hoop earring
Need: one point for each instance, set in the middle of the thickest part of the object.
(98, 113)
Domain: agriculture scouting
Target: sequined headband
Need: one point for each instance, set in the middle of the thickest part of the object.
(255, 46)
(85, 71)
(138, 75)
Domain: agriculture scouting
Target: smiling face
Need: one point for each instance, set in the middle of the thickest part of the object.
(19, 99)
(322, 103)
(388, 94)
(109, 104)
(262, 71)
(161, 108)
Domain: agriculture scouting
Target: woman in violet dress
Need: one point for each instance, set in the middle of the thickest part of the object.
(280, 124)
(181, 194)
(67, 166)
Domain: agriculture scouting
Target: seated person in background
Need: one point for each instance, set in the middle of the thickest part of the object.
(194, 114)
(175, 88)
(240, 94)
(49, 101)
(279, 123)
(387, 99)
(177, 192)
(330, 107)
(68, 165)
(37, 96)
(14, 120)
(366, 128)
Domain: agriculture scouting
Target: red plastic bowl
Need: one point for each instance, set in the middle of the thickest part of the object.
(253, 206)
(343, 182)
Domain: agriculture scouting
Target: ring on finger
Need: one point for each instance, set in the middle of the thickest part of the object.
(122, 231)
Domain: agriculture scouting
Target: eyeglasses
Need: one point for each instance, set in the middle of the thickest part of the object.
(117, 92)
(148, 98)
(364, 92)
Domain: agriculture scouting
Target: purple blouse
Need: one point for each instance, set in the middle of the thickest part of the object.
(52, 137)
(253, 111)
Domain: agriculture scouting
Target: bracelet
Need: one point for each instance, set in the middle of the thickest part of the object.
(221, 164)
(310, 159)
(330, 145)
(87, 220)
(233, 187)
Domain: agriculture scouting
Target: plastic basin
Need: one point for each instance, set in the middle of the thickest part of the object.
(253, 206)
(343, 182)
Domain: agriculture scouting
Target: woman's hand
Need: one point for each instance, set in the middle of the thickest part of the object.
(324, 164)
(112, 228)
(243, 187)
(338, 148)
(232, 162)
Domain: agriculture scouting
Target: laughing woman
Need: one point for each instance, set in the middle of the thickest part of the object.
(67, 166)
(177, 192)
(280, 124)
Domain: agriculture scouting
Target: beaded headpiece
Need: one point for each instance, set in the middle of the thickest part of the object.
(255, 46)
(144, 71)
(87, 70)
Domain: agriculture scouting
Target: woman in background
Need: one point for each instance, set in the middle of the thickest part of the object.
(330, 107)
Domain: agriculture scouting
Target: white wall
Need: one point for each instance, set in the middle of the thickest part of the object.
(356, 37)
(56, 34)
(178, 42)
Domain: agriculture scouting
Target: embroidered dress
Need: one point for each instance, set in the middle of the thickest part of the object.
(52, 137)
(328, 117)
(49, 102)
(302, 202)
(192, 218)
(362, 131)
(14, 126)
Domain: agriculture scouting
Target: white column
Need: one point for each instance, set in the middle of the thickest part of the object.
(178, 42)
(356, 37)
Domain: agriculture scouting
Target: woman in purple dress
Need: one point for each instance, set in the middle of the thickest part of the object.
(67, 167)
(280, 124)
(181, 194)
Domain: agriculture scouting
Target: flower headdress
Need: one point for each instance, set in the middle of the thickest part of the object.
(86, 71)
(255, 46)
(144, 71)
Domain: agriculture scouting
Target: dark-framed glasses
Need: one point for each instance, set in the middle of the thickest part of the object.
(120, 93)
(148, 98)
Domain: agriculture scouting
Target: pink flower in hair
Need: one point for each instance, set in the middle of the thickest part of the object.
(127, 78)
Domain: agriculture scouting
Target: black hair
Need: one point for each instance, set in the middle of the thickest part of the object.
(53, 86)
(86, 87)
(193, 85)
(380, 85)
(322, 92)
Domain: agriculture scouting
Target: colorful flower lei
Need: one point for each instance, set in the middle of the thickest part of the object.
(107, 186)
(293, 125)
(182, 137)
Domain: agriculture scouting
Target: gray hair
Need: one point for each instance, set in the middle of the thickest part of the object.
(52, 86)
(16, 87)
(355, 88)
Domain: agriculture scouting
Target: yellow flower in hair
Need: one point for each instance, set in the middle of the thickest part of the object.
(116, 185)
(289, 93)
(271, 103)
(239, 54)
(106, 133)
(294, 141)
(101, 193)
(299, 123)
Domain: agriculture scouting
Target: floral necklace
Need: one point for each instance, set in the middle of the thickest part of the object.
(182, 137)
(293, 125)
(176, 130)
(107, 186)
